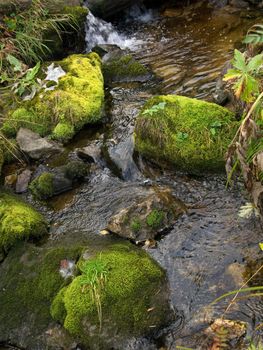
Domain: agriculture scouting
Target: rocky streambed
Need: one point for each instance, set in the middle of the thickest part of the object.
(165, 244)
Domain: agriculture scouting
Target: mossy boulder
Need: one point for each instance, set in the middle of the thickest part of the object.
(42, 187)
(18, 221)
(55, 181)
(30, 279)
(121, 292)
(190, 134)
(120, 67)
(76, 101)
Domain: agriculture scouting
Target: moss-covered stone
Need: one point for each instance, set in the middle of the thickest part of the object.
(123, 68)
(133, 285)
(76, 101)
(30, 280)
(190, 134)
(75, 170)
(18, 221)
(42, 187)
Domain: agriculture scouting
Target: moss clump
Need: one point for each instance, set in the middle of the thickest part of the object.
(131, 285)
(63, 132)
(155, 219)
(18, 221)
(76, 101)
(1, 157)
(123, 68)
(30, 280)
(190, 134)
(42, 187)
(136, 225)
(75, 170)
(77, 13)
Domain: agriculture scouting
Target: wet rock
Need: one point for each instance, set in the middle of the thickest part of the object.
(23, 180)
(35, 146)
(147, 217)
(122, 157)
(90, 153)
(51, 182)
(120, 66)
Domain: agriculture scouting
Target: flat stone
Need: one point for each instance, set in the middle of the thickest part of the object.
(23, 180)
(35, 146)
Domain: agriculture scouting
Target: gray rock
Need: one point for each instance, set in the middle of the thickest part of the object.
(23, 180)
(35, 146)
(91, 153)
(147, 217)
(121, 156)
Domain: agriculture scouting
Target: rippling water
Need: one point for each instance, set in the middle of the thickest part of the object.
(188, 48)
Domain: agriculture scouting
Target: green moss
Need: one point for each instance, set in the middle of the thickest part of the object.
(27, 118)
(18, 221)
(155, 219)
(78, 13)
(136, 225)
(77, 100)
(125, 67)
(1, 157)
(30, 280)
(63, 132)
(190, 134)
(75, 170)
(42, 187)
(132, 281)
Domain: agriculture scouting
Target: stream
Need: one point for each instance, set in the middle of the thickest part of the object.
(210, 249)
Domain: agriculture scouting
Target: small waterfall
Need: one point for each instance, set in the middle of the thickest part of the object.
(100, 32)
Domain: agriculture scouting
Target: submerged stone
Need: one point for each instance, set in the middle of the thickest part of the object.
(144, 219)
(120, 66)
(77, 100)
(190, 134)
(18, 221)
(120, 293)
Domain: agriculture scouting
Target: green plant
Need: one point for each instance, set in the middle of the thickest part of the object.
(254, 35)
(245, 76)
(155, 219)
(155, 108)
(24, 38)
(94, 276)
(136, 225)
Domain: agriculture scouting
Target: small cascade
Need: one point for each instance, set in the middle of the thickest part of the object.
(100, 32)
